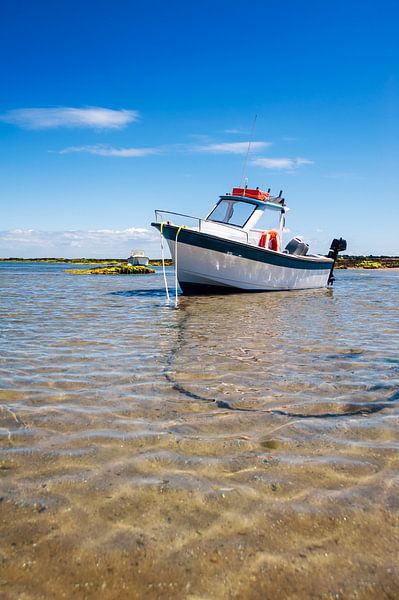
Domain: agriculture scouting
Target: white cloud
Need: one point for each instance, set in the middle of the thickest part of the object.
(287, 164)
(102, 150)
(49, 118)
(72, 243)
(235, 131)
(48, 237)
(231, 147)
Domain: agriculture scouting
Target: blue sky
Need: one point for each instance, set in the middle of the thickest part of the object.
(109, 110)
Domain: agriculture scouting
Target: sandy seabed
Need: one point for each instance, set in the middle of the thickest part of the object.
(240, 447)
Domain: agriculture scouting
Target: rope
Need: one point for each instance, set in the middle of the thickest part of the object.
(163, 266)
(176, 282)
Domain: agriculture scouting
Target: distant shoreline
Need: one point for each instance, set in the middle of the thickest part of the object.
(155, 262)
(367, 262)
(343, 262)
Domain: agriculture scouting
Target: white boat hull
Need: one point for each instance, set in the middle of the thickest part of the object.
(197, 267)
(207, 263)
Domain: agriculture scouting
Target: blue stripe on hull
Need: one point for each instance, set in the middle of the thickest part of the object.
(212, 242)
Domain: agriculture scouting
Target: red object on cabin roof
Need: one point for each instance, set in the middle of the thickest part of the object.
(255, 194)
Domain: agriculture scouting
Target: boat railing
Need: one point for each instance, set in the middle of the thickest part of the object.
(159, 218)
(201, 222)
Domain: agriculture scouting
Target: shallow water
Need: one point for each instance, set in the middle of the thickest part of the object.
(242, 446)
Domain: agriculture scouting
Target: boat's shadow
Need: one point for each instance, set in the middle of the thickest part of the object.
(143, 293)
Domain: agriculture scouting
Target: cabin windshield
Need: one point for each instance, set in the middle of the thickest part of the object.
(232, 212)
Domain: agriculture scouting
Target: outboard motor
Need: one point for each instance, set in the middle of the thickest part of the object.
(297, 246)
(336, 246)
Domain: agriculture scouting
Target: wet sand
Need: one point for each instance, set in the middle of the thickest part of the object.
(238, 447)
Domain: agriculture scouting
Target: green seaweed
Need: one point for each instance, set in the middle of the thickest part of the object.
(157, 262)
(118, 269)
(369, 264)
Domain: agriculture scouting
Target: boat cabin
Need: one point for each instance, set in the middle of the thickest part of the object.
(138, 258)
(235, 216)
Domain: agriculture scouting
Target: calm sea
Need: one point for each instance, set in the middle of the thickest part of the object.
(241, 446)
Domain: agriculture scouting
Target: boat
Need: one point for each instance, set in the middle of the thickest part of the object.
(225, 251)
(138, 258)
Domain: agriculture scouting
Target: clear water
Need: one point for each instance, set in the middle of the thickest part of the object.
(241, 446)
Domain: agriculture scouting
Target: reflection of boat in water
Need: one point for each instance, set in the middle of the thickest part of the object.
(225, 252)
(138, 258)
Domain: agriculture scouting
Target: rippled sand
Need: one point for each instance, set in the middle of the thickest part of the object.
(238, 447)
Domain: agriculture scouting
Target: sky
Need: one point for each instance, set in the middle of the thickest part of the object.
(110, 110)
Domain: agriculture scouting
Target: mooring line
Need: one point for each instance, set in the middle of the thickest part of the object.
(163, 265)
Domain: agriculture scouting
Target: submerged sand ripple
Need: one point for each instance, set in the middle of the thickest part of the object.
(240, 447)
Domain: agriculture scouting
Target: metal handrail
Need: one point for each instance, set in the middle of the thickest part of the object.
(159, 212)
(169, 212)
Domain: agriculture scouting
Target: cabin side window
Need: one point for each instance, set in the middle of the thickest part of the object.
(232, 212)
(269, 220)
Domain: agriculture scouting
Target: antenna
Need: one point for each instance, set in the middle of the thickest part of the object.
(244, 168)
